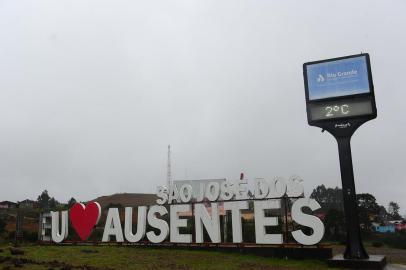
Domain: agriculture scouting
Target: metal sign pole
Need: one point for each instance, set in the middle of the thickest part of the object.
(340, 98)
(354, 248)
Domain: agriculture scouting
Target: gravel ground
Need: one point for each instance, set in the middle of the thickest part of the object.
(393, 256)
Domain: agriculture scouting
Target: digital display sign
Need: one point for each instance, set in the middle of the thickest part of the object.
(339, 88)
(337, 78)
(339, 99)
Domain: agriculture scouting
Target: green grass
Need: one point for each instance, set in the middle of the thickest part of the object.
(125, 257)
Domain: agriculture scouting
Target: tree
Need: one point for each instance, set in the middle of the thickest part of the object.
(2, 225)
(383, 215)
(71, 202)
(393, 211)
(368, 209)
(43, 199)
(53, 203)
(329, 198)
(335, 224)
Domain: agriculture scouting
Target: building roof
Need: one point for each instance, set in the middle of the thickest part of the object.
(8, 202)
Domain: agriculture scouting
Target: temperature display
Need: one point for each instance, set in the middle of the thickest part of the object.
(340, 109)
(337, 110)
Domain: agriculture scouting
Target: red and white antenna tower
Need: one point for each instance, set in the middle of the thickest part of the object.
(169, 173)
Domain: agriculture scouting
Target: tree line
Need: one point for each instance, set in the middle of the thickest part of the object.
(45, 201)
(369, 211)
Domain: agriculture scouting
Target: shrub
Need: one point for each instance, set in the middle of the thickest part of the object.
(30, 236)
(393, 240)
(377, 244)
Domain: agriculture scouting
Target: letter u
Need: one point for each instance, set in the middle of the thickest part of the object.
(57, 236)
(141, 224)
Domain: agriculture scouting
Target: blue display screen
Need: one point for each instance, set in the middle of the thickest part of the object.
(338, 78)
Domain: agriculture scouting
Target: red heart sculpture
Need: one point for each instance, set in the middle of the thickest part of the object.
(84, 218)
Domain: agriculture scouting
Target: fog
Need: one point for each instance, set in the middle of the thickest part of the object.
(92, 93)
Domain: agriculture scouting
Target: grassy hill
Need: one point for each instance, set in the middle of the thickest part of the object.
(126, 199)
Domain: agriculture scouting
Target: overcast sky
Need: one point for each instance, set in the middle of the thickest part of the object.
(92, 92)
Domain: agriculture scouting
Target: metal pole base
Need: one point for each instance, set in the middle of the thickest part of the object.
(373, 262)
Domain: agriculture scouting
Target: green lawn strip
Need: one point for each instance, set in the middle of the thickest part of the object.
(150, 258)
